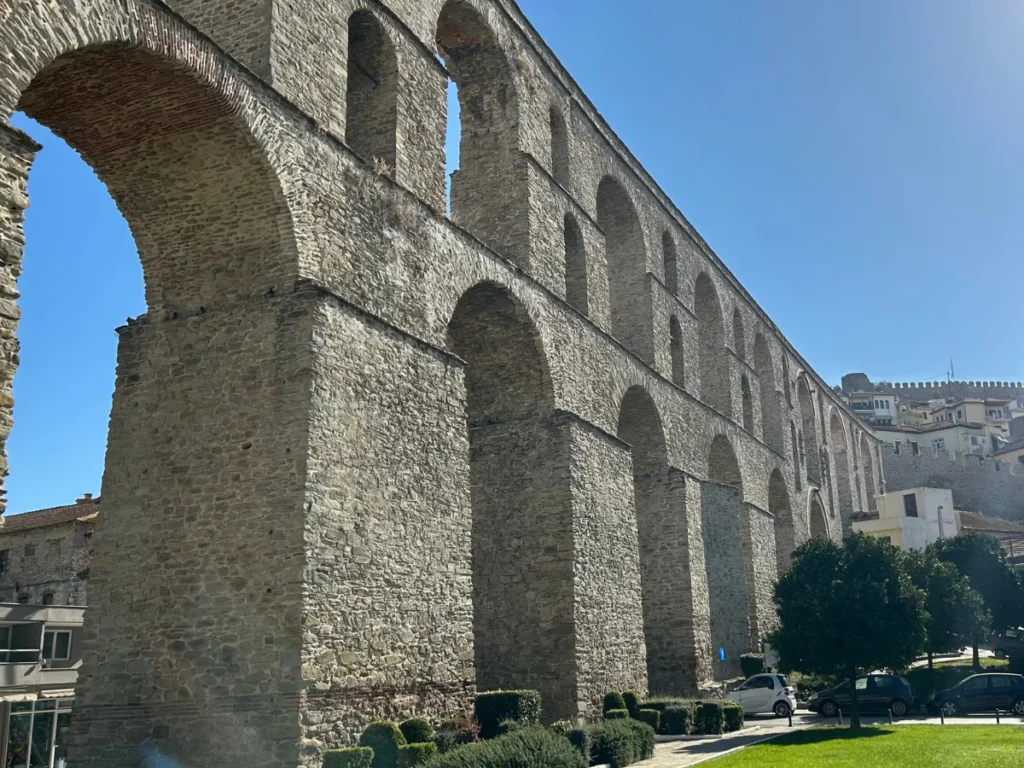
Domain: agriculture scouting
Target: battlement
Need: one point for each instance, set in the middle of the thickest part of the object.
(935, 390)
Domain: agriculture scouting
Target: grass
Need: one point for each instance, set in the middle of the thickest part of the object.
(987, 662)
(915, 746)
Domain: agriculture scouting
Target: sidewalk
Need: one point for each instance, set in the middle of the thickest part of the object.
(677, 754)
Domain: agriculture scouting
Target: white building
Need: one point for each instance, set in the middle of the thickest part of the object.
(876, 408)
(911, 519)
(960, 437)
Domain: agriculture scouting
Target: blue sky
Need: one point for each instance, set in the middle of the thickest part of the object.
(858, 165)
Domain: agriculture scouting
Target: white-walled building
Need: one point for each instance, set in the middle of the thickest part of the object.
(912, 519)
(960, 437)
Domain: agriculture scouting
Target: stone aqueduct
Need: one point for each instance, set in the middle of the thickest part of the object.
(300, 532)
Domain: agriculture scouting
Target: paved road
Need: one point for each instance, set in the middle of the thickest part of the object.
(678, 754)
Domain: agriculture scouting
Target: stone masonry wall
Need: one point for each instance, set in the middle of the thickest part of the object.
(52, 560)
(722, 519)
(978, 485)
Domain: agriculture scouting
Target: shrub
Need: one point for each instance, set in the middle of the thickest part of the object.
(456, 732)
(621, 742)
(384, 738)
(495, 707)
(679, 719)
(616, 714)
(562, 726)
(1016, 665)
(533, 747)
(353, 757)
(613, 700)
(580, 738)
(508, 726)
(650, 716)
(733, 712)
(632, 702)
(926, 682)
(415, 754)
(752, 664)
(710, 718)
(416, 730)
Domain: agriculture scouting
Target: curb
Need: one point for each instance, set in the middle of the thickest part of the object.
(664, 739)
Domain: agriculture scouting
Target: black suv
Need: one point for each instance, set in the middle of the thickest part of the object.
(983, 693)
(874, 693)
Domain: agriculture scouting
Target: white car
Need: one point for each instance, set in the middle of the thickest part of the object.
(765, 693)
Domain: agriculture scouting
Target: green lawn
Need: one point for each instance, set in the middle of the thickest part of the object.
(987, 662)
(914, 746)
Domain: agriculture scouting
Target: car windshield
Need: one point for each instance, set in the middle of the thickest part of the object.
(784, 680)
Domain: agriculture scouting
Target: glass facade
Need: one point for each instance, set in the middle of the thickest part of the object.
(37, 733)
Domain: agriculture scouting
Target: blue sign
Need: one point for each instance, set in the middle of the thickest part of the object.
(721, 654)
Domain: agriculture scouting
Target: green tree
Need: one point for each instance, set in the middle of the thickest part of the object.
(848, 609)
(956, 612)
(980, 558)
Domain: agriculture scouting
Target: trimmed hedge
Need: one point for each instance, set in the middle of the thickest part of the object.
(650, 716)
(534, 747)
(581, 739)
(495, 707)
(353, 757)
(679, 719)
(456, 732)
(710, 717)
(410, 755)
(632, 702)
(416, 730)
(733, 712)
(613, 700)
(384, 738)
(616, 714)
(752, 664)
(621, 742)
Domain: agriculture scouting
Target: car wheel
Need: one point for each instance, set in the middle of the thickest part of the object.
(781, 709)
(949, 707)
(1018, 707)
(899, 708)
(1000, 653)
(829, 709)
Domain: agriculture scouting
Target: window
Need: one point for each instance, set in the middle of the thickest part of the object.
(4, 555)
(910, 505)
(960, 415)
(998, 681)
(882, 681)
(762, 681)
(47, 598)
(915, 448)
(38, 733)
(974, 440)
(896, 446)
(30, 550)
(939, 444)
(1020, 459)
(57, 644)
(976, 683)
(861, 683)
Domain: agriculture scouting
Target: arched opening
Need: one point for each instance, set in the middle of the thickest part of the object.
(780, 507)
(738, 335)
(798, 464)
(870, 481)
(841, 463)
(675, 333)
(487, 198)
(575, 267)
(627, 262)
(213, 236)
(660, 498)
(808, 434)
(371, 121)
(519, 509)
(748, 404)
(671, 259)
(771, 412)
(715, 387)
(817, 520)
(727, 555)
(559, 148)
(786, 380)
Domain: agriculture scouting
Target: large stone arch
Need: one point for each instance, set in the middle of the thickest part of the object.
(659, 493)
(817, 517)
(715, 380)
(627, 267)
(488, 194)
(808, 432)
(782, 510)
(205, 388)
(520, 505)
(870, 479)
(725, 526)
(771, 411)
(841, 466)
(371, 105)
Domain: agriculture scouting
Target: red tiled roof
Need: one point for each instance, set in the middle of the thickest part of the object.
(973, 521)
(42, 518)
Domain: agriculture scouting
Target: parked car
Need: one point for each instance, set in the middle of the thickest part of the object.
(765, 693)
(874, 693)
(983, 693)
(1009, 642)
